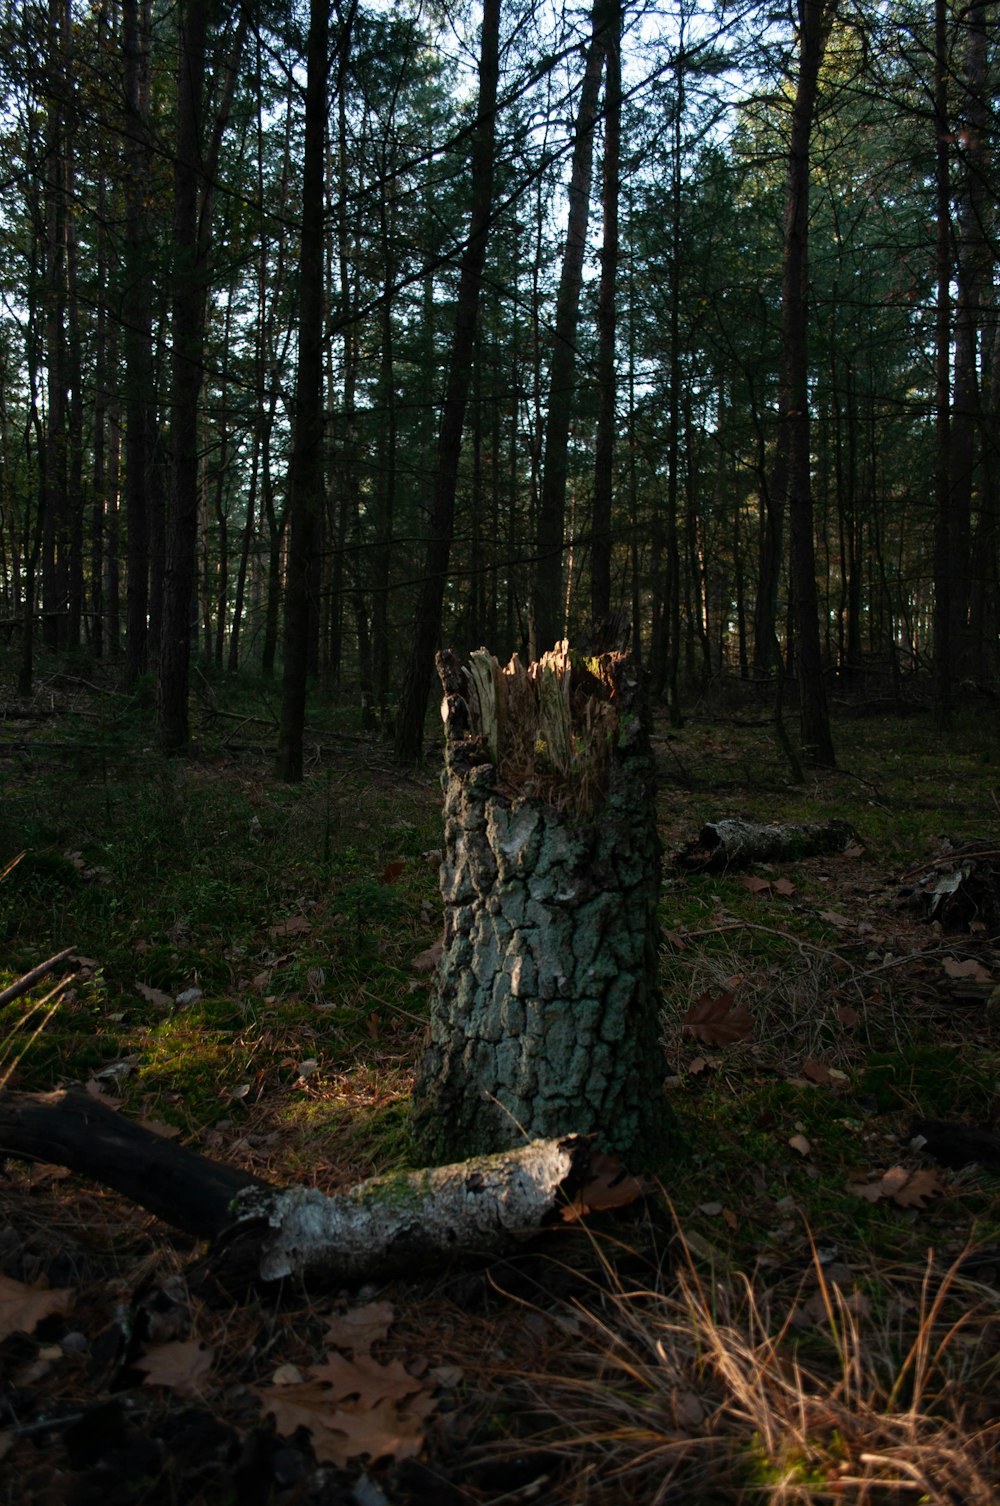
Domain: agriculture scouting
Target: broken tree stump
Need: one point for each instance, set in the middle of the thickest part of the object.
(545, 1004)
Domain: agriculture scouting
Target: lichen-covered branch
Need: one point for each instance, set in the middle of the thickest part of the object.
(414, 1219)
(734, 843)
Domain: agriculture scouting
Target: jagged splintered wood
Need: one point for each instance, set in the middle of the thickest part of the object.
(545, 1013)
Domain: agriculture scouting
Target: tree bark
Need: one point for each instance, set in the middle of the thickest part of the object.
(545, 1012)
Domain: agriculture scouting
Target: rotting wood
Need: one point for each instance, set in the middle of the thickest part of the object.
(735, 843)
(545, 1003)
(382, 1226)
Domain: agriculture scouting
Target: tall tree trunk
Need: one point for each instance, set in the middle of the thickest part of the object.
(194, 179)
(427, 620)
(607, 311)
(306, 473)
(137, 317)
(548, 590)
(973, 277)
(55, 497)
(814, 719)
(943, 585)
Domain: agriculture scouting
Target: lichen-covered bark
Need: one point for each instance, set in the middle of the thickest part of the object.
(404, 1220)
(545, 1015)
(734, 843)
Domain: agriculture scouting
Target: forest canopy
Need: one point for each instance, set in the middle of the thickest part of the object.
(334, 332)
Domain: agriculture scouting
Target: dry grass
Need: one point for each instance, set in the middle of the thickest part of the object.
(710, 1390)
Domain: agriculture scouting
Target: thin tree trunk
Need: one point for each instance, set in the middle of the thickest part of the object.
(137, 317)
(943, 616)
(427, 619)
(814, 718)
(305, 480)
(607, 311)
(548, 590)
(194, 178)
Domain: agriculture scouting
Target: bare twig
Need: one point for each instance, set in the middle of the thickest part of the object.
(15, 990)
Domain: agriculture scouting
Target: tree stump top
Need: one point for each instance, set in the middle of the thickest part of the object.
(549, 729)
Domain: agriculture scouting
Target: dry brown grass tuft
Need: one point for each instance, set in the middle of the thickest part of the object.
(707, 1390)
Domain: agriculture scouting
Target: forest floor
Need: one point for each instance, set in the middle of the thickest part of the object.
(807, 1310)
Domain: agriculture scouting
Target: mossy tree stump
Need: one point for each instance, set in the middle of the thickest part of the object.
(545, 1008)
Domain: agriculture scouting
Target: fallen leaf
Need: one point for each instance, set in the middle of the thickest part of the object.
(383, 1431)
(848, 1016)
(155, 996)
(366, 1378)
(711, 1210)
(296, 925)
(918, 1187)
(675, 940)
(392, 871)
(801, 1144)
(361, 1327)
(785, 887)
(909, 1189)
(853, 852)
(610, 1186)
(755, 885)
(338, 1436)
(22, 1307)
(715, 1022)
(183, 1366)
(834, 918)
(970, 968)
(287, 1375)
(427, 961)
(816, 1071)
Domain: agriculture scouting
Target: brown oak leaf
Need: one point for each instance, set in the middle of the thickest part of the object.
(716, 1022)
(184, 1366)
(361, 1327)
(22, 1307)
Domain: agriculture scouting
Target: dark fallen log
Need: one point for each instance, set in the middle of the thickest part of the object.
(956, 1144)
(735, 843)
(75, 1130)
(383, 1226)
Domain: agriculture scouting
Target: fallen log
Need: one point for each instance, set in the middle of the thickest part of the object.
(410, 1219)
(382, 1226)
(735, 843)
(78, 1131)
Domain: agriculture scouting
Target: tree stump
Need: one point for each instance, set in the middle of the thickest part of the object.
(545, 1015)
